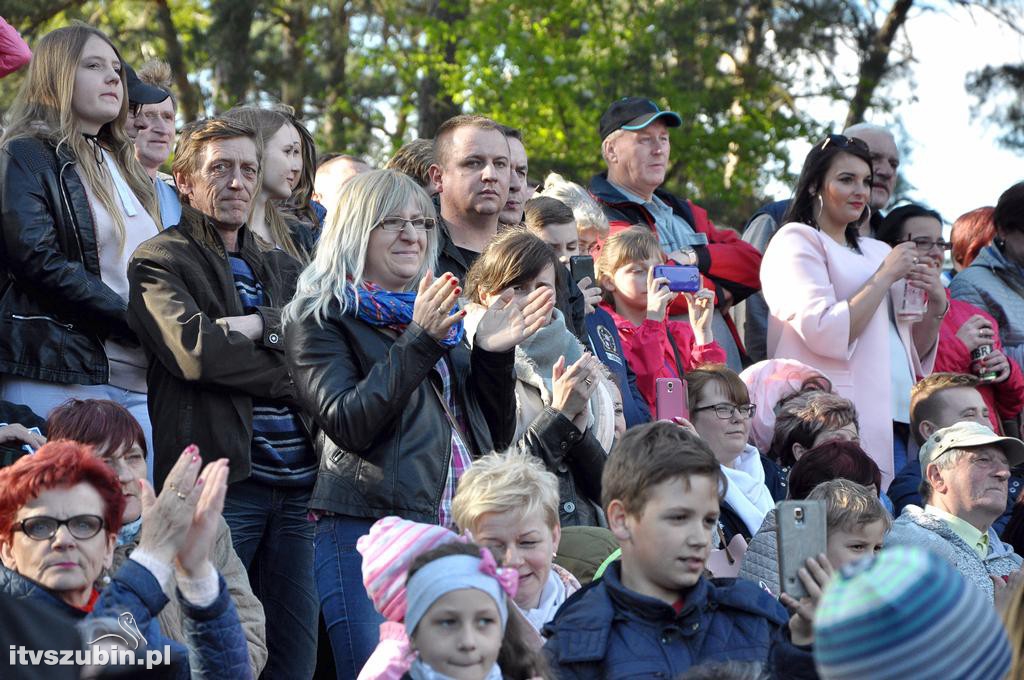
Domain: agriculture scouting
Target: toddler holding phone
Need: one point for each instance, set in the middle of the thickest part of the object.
(655, 346)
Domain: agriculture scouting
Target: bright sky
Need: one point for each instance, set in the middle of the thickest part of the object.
(954, 161)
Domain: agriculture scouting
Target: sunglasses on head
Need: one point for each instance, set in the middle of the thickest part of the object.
(843, 142)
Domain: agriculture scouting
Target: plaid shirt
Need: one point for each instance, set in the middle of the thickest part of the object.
(460, 459)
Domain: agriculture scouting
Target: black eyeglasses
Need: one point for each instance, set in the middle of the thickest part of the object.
(843, 142)
(726, 411)
(43, 528)
(134, 109)
(927, 243)
(397, 224)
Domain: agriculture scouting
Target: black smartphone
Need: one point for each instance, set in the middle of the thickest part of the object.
(581, 267)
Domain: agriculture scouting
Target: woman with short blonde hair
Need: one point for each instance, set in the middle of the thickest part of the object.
(510, 503)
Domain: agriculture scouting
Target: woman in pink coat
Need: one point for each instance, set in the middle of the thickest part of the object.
(831, 295)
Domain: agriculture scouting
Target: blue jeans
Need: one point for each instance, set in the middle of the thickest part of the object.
(352, 621)
(274, 540)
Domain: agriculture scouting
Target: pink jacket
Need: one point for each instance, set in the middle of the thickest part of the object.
(807, 279)
(14, 52)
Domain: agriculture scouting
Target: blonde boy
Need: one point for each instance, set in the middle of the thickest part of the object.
(856, 519)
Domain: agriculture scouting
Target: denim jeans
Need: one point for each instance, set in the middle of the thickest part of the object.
(274, 539)
(352, 621)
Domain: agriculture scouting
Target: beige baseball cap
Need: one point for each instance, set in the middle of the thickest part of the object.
(965, 435)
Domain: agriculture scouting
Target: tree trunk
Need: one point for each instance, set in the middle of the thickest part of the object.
(293, 86)
(229, 50)
(433, 105)
(336, 56)
(874, 63)
(188, 98)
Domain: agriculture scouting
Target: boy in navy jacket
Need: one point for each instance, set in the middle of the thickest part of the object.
(654, 613)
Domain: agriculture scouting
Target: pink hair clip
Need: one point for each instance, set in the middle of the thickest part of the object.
(508, 579)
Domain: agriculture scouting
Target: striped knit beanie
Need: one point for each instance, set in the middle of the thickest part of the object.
(907, 614)
(388, 551)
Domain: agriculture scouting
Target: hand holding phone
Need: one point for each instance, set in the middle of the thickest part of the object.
(581, 267)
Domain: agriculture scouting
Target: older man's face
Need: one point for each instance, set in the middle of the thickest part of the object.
(154, 134)
(885, 159)
(224, 184)
(976, 486)
(638, 160)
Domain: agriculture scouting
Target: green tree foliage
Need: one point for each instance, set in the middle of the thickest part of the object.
(369, 75)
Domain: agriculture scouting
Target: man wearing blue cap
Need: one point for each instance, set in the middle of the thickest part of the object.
(964, 469)
(635, 146)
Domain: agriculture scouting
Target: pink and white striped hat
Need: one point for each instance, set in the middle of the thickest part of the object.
(388, 551)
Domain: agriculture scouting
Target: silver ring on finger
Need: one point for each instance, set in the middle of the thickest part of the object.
(180, 495)
(915, 260)
(440, 310)
(588, 381)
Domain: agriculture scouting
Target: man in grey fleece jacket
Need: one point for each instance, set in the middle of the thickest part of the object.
(964, 470)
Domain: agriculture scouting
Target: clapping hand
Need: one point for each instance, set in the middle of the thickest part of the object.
(179, 526)
(572, 388)
(195, 553)
(166, 518)
(434, 302)
(508, 321)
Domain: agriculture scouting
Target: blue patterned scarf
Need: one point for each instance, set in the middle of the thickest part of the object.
(379, 307)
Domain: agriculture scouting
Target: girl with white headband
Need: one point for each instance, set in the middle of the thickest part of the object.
(458, 622)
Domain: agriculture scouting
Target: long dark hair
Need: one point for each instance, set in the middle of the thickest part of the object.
(816, 165)
(890, 228)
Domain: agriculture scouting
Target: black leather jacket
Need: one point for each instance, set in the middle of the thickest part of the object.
(576, 458)
(55, 311)
(381, 431)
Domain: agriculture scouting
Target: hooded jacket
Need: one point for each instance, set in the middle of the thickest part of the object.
(995, 284)
(916, 527)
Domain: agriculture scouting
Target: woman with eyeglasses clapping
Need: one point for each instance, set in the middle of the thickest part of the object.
(968, 337)
(836, 300)
(401, 406)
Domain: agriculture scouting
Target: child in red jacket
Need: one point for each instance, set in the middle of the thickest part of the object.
(655, 347)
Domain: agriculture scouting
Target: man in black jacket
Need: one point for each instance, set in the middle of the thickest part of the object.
(471, 171)
(205, 301)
